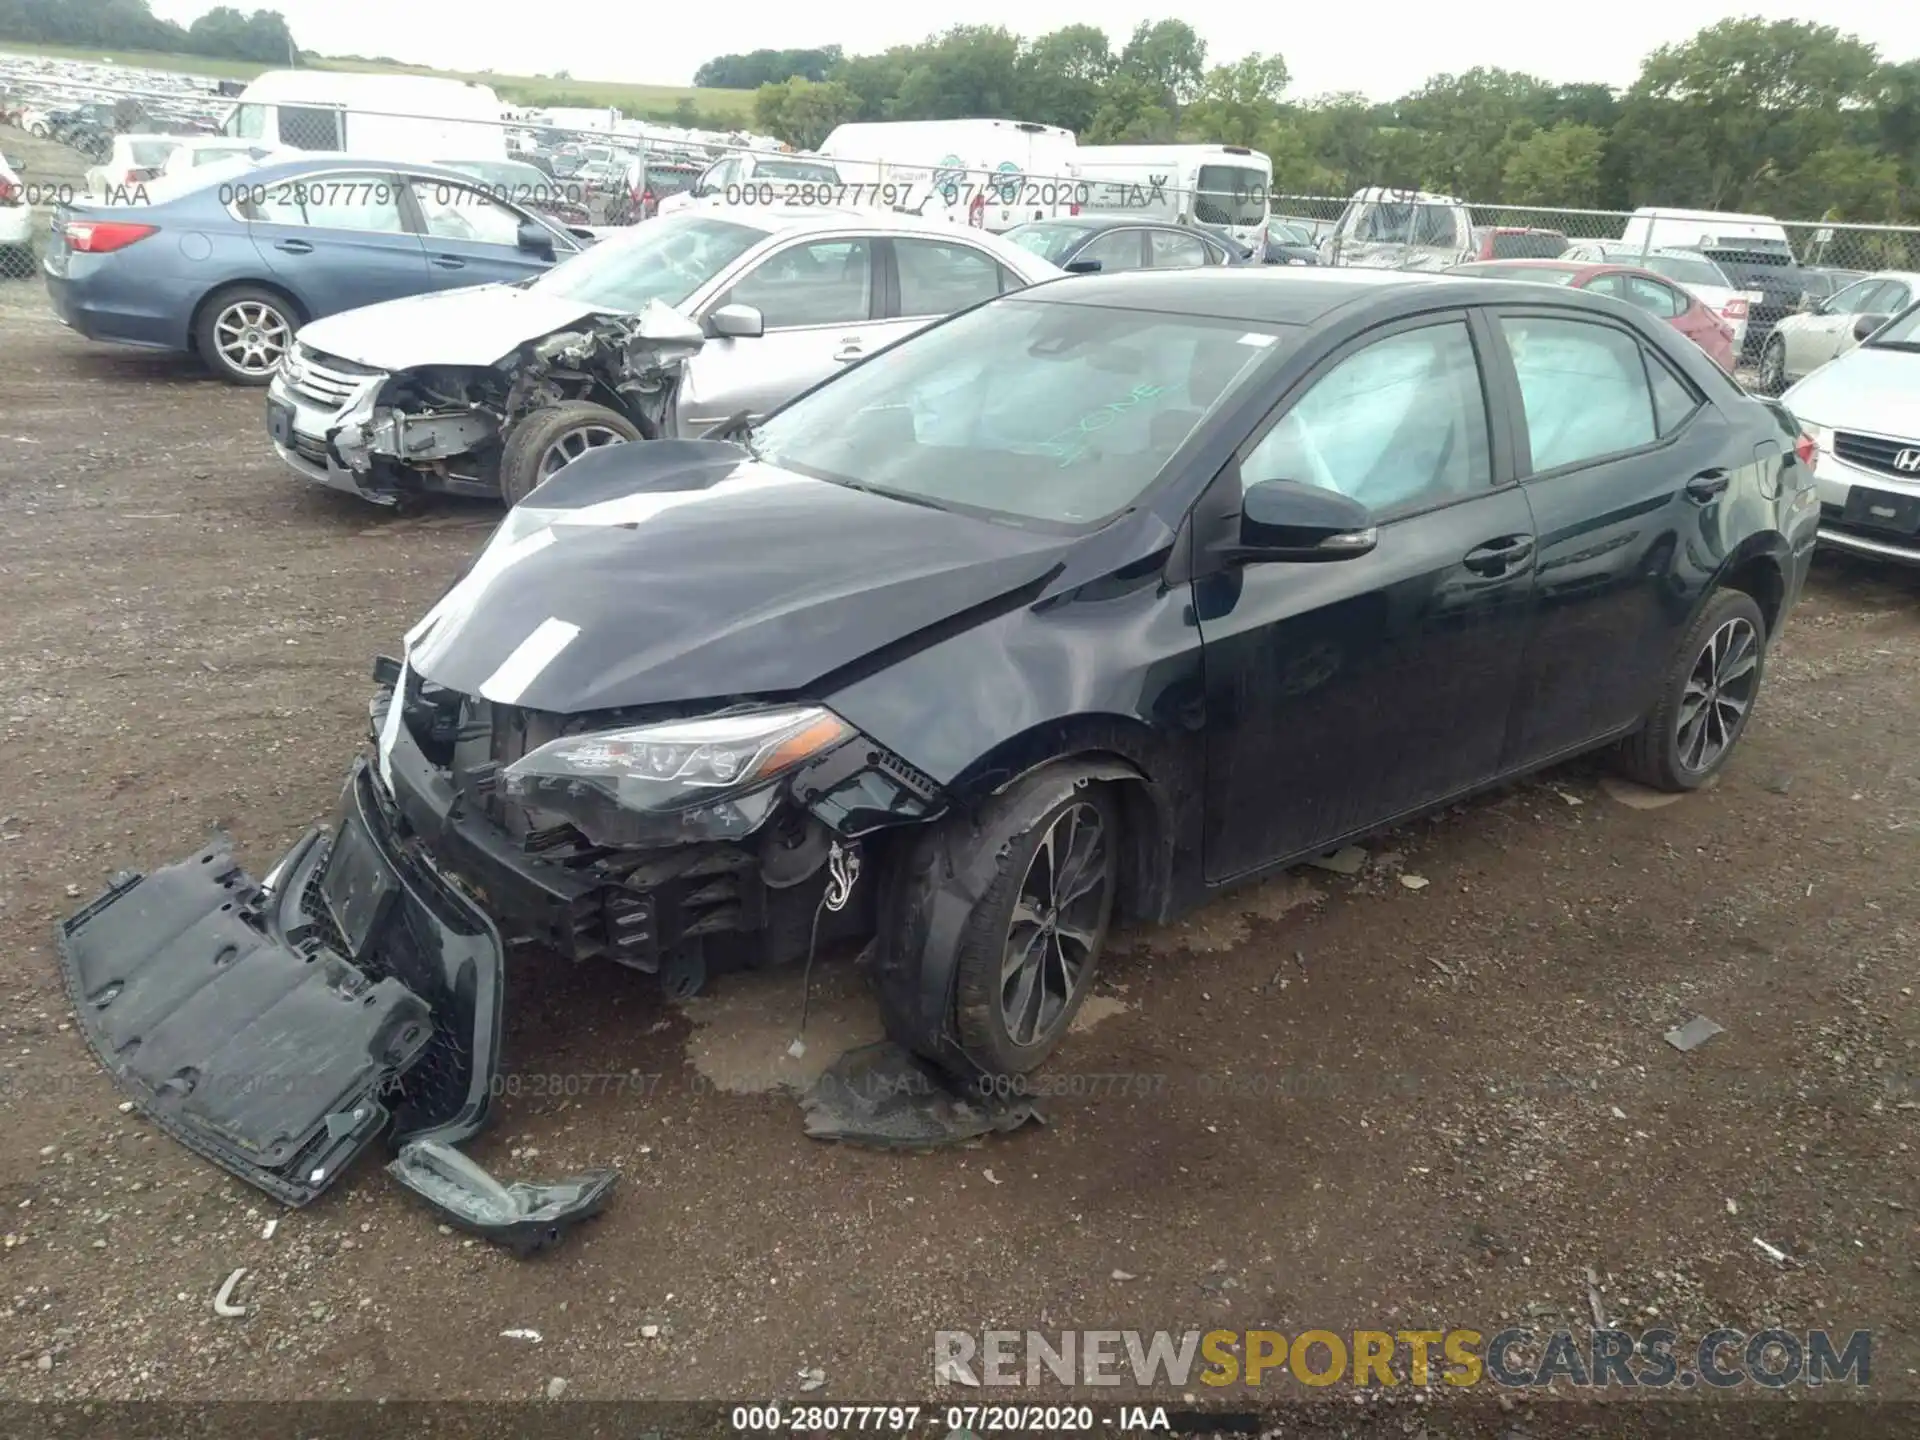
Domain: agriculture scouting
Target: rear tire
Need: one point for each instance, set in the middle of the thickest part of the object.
(545, 440)
(244, 331)
(1706, 697)
(1773, 366)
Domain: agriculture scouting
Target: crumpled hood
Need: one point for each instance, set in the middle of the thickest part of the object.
(1875, 391)
(679, 570)
(474, 325)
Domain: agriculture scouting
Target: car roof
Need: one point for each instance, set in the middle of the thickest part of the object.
(1103, 222)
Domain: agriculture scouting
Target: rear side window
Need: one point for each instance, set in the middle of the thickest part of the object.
(938, 277)
(1583, 387)
(1528, 245)
(1654, 298)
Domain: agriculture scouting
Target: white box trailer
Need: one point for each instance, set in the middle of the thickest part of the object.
(998, 173)
(1221, 187)
(396, 117)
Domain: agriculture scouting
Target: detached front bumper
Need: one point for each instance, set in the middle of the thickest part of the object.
(276, 1027)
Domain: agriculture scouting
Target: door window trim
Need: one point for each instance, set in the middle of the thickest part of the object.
(1522, 437)
(1500, 455)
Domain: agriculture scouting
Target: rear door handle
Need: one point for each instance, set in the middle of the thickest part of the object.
(294, 247)
(449, 262)
(848, 352)
(1709, 483)
(1497, 557)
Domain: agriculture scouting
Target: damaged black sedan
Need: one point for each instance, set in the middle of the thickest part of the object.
(1074, 607)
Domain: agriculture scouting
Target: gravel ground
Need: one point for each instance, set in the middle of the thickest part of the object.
(1368, 1104)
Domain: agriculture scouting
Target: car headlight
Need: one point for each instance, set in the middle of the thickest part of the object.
(676, 781)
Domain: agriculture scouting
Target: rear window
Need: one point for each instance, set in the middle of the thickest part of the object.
(1528, 245)
(1230, 195)
(1687, 269)
(807, 172)
(151, 152)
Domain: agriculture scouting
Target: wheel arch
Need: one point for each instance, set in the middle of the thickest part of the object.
(1757, 568)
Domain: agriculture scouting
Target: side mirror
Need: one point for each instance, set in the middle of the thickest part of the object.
(737, 322)
(536, 238)
(1284, 520)
(1082, 267)
(1865, 325)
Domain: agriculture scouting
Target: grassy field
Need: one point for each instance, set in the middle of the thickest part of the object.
(722, 107)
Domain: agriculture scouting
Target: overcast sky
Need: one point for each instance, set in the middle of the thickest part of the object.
(1381, 49)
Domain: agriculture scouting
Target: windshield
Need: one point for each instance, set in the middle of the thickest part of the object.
(1281, 232)
(665, 260)
(663, 181)
(1539, 274)
(1050, 242)
(1049, 413)
(1230, 195)
(806, 170)
(1900, 333)
(1688, 269)
(1394, 222)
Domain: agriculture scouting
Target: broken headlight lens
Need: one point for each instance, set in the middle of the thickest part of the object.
(676, 781)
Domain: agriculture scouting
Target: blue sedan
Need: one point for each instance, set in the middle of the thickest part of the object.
(227, 265)
(1107, 243)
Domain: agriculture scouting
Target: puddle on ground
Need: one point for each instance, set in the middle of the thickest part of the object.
(1094, 1009)
(744, 1024)
(1226, 922)
(1639, 797)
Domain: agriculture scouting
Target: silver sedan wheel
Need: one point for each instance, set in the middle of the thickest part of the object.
(251, 337)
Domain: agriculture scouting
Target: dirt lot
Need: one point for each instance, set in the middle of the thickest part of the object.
(1368, 1104)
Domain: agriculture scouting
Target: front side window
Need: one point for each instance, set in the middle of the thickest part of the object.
(454, 212)
(1653, 298)
(1056, 414)
(1170, 250)
(1853, 300)
(248, 122)
(1116, 250)
(1583, 388)
(819, 282)
(1399, 423)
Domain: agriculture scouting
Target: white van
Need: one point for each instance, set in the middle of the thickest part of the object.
(1223, 187)
(397, 117)
(1654, 227)
(1000, 173)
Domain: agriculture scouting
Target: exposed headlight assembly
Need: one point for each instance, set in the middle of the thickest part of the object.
(676, 781)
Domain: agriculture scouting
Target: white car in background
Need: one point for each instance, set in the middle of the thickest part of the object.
(133, 160)
(1690, 270)
(195, 151)
(1862, 412)
(1824, 329)
(16, 224)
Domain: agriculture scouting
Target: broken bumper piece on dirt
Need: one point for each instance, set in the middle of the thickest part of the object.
(524, 1218)
(277, 1028)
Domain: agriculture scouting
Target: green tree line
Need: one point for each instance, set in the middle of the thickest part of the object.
(131, 25)
(1782, 117)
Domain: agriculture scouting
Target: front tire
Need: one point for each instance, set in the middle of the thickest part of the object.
(547, 440)
(1706, 697)
(1029, 950)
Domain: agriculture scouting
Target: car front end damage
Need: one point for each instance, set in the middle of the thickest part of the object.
(386, 435)
(280, 1027)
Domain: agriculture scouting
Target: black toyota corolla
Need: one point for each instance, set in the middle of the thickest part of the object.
(1077, 606)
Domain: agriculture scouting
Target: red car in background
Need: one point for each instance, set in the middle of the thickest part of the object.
(1643, 289)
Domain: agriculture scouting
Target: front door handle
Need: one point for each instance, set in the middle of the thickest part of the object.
(1497, 557)
(1709, 483)
(449, 262)
(848, 352)
(294, 247)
